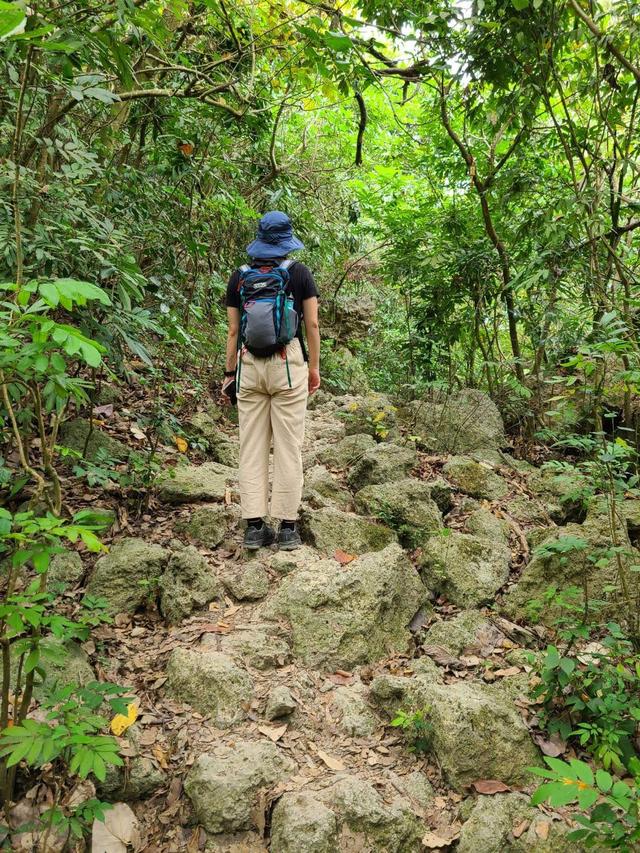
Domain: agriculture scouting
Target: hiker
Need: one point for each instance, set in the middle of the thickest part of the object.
(270, 374)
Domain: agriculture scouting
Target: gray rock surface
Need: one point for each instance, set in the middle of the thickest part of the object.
(129, 575)
(248, 581)
(140, 777)
(66, 568)
(280, 703)
(255, 645)
(189, 583)
(468, 632)
(211, 683)
(210, 524)
(342, 616)
(492, 820)
(456, 423)
(300, 822)
(475, 478)
(322, 488)
(467, 569)
(191, 483)
(348, 450)
(383, 463)
(74, 435)
(328, 529)
(356, 717)
(224, 787)
(478, 733)
(404, 505)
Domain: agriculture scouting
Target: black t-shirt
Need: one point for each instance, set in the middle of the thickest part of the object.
(301, 286)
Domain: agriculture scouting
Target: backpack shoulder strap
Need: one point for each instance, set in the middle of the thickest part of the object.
(244, 268)
(287, 263)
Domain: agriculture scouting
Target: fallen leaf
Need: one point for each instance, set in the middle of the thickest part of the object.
(160, 756)
(117, 832)
(419, 621)
(136, 432)
(434, 841)
(553, 746)
(274, 733)
(148, 737)
(542, 828)
(106, 410)
(520, 829)
(121, 723)
(330, 761)
(341, 678)
(342, 557)
(181, 443)
(442, 656)
(227, 496)
(490, 786)
(506, 673)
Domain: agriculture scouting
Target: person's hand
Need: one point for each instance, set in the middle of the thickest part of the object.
(314, 380)
(229, 395)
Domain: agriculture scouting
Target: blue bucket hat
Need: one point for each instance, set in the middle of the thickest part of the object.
(275, 237)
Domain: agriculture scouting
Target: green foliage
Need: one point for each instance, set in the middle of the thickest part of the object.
(416, 727)
(614, 816)
(593, 697)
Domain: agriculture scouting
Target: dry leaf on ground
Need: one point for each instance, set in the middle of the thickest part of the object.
(342, 557)
(120, 723)
(436, 840)
(331, 762)
(274, 733)
(490, 786)
(553, 746)
(520, 829)
(542, 828)
(118, 832)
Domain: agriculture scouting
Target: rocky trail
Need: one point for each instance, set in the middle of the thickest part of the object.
(266, 683)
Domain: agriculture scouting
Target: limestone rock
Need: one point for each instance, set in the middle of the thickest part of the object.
(64, 664)
(490, 825)
(129, 574)
(383, 463)
(482, 522)
(280, 703)
(246, 582)
(468, 632)
(208, 525)
(323, 488)
(373, 414)
(469, 570)
(191, 483)
(456, 423)
(236, 842)
(256, 645)
(475, 478)
(349, 318)
(328, 529)
(571, 567)
(564, 492)
(139, 779)
(284, 562)
(369, 823)
(342, 616)
(348, 450)
(74, 435)
(418, 787)
(224, 787)
(529, 511)
(478, 733)
(406, 506)
(302, 823)
(66, 568)
(211, 683)
(356, 718)
(189, 583)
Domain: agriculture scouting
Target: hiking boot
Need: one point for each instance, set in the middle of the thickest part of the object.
(289, 538)
(258, 537)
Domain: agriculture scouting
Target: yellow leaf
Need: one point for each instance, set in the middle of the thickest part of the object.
(121, 723)
(181, 444)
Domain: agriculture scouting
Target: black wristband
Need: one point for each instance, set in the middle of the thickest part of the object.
(229, 373)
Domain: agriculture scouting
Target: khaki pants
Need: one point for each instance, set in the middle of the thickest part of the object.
(268, 408)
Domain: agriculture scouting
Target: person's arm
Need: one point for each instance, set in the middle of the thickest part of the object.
(310, 314)
(233, 326)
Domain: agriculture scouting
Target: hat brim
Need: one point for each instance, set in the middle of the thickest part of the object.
(262, 249)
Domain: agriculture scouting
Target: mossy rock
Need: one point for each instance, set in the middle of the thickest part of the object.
(383, 463)
(74, 434)
(406, 506)
(329, 529)
(474, 478)
(468, 629)
(193, 483)
(66, 568)
(189, 583)
(209, 525)
(348, 450)
(468, 570)
(128, 576)
(140, 777)
(322, 488)
(343, 616)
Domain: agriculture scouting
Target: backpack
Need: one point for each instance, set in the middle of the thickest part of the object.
(268, 319)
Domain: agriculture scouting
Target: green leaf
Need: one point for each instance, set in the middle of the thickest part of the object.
(520, 4)
(338, 42)
(12, 19)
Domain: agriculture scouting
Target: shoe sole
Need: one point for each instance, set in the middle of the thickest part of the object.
(290, 546)
(255, 546)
